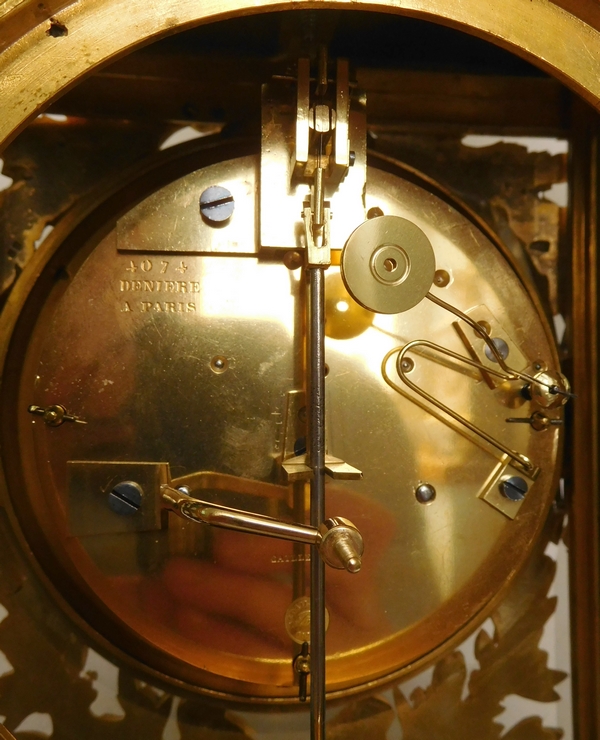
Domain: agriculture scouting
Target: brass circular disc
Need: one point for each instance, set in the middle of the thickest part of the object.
(297, 620)
(388, 264)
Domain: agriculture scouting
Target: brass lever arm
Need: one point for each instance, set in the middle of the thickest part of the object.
(340, 543)
(241, 521)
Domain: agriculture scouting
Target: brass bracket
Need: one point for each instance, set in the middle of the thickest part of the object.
(317, 254)
(296, 468)
(491, 493)
(90, 484)
(293, 120)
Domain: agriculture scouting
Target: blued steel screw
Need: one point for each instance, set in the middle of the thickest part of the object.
(125, 498)
(502, 348)
(216, 204)
(425, 493)
(514, 488)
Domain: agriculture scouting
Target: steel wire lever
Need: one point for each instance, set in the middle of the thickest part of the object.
(538, 420)
(54, 415)
(556, 389)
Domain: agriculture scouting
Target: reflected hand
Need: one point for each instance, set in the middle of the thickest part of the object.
(237, 601)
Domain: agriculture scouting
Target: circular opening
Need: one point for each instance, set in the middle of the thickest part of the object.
(390, 264)
(485, 326)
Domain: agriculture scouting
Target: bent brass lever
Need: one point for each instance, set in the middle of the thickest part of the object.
(339, 542)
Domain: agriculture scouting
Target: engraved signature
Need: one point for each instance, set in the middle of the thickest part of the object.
(277, 559)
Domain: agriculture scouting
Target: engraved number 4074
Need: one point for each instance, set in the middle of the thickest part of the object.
(148, 266)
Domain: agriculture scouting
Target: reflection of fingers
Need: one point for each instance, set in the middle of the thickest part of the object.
(158, 606)
(155, 601)
(224, 635)
(257, 602)
(248, 553)
(354, 598)
(374, 521)
(252, 554)
(344, 635)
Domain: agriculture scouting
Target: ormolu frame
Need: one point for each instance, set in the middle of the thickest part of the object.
(46, 48)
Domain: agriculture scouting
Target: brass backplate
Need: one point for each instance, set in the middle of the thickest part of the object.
(190, 358)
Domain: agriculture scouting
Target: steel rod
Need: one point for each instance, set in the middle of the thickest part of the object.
(316, 460)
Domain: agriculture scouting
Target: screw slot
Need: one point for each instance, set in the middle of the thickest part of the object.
(292, 260)
(125, 498)
(216, 205)
(514, 488)
(300, 446)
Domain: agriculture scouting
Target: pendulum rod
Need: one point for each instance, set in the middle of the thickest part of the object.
(322, 153)
(315, 356)
(318, 259)
(316, 459)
